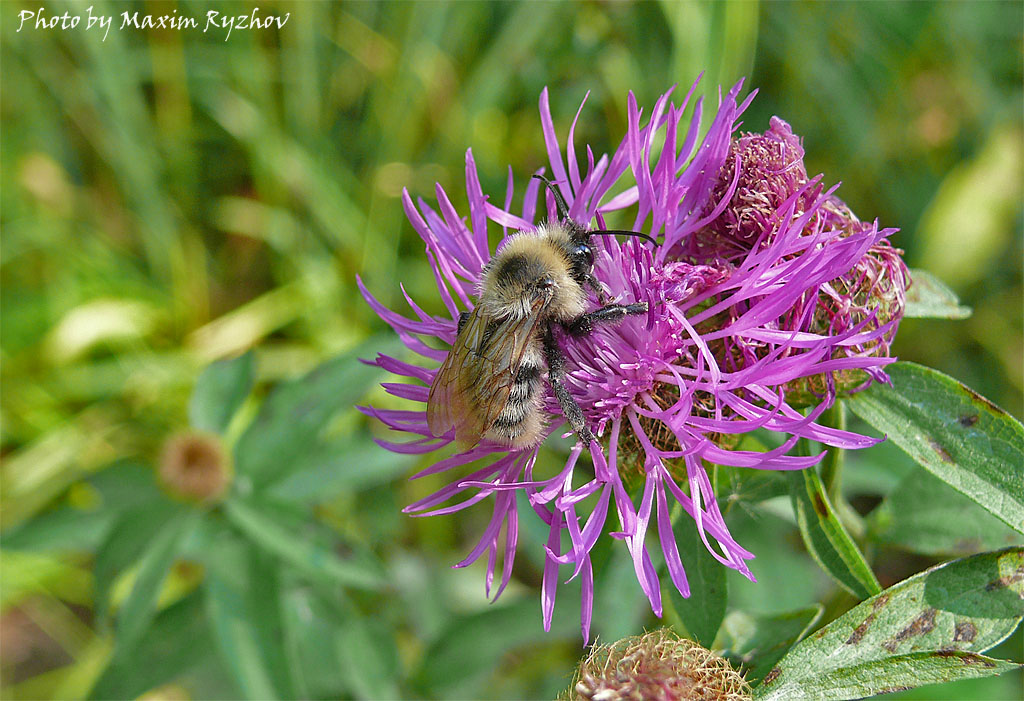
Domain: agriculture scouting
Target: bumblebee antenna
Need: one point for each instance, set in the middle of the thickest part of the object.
(616, 232)
(563, 208)
(563, 212)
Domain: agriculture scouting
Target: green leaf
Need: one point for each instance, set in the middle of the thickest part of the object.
(422, 590)
(925, 515)
(220, 391)
(335, 651)
(65, 529)
(312, 621)
(953, 432)
(825, 536)
(369, 658)
(126, 484)
(129, 537)
(897, 673)
(339, 466)
(85, 519)
(923, 630)
(460, 661)
(702, 612)
(244, 609)
(139, 609)
(271, 529)
(296, 412)
(756, 642)
(178, 640)
(928, 297)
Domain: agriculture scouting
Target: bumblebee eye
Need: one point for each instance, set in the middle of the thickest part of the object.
(585, 254)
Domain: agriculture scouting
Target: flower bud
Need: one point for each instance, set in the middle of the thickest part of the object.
(657, 666)
(762, 177)
(771, 169)
(871, 294)
(195, 466)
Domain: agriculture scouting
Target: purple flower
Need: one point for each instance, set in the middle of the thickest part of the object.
(762, 172)
(666, 391)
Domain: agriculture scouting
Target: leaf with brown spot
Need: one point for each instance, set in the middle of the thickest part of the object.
(858, 633)
(924, 630)
(923, 412)
(1006, 581)
(969, 420)
(964, 632)
(820, 506)
(756, 642)
(943, 454)
(924, 623)
(897, 673)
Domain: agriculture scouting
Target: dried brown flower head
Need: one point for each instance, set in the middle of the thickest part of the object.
(195, 466)
(657, 666)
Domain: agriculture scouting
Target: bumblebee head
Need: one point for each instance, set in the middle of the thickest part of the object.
(580, 253)
(577, 247)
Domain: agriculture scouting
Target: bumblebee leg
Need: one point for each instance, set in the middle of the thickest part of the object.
(596, 287)
(463, 318)
(583, 325)
(556, 373)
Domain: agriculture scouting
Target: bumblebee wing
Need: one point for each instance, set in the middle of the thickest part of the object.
(474, 384)
(447, 405)
(489, 383)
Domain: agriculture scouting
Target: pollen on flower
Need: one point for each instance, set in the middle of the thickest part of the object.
(659, 666)
(194, 466)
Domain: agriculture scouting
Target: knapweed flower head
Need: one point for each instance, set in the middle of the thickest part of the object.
(656, 666)
(194, 466)
(727, 331)
(760, 173)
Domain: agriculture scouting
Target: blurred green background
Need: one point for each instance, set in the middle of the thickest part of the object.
(170, 198)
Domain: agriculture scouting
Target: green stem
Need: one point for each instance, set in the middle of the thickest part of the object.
(832, 474)
(803, 448)
(832, 465)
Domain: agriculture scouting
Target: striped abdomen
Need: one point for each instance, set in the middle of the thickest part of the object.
(521, 421)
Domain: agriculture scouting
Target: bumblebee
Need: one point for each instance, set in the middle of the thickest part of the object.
(491, 384)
